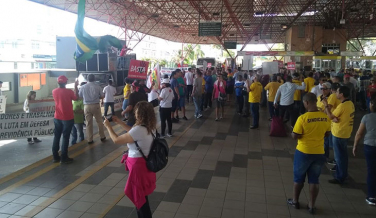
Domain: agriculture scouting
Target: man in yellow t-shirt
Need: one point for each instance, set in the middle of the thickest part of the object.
(310, 82)
(272, 89)
(297, 98)
(310, 130)
(126, 93)
(326, 90)
(343, 121)
(254, 99)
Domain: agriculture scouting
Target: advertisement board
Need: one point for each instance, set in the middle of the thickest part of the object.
(280, 63)
(138, 69)
(291, 65)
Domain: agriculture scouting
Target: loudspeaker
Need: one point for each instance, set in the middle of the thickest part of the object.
(80, 66)
(92, 63)
(103, 62)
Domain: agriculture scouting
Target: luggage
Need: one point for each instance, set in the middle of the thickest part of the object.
(277, 127)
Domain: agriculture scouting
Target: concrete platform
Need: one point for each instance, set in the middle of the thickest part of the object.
(216, 169)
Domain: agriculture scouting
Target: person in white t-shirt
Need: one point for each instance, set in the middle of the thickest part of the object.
(109, 93)
(165, 106)
(189, 81)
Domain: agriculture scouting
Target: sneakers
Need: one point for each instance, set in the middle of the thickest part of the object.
(56, 160)
(30, 142)
(185, 118)
(91, 142)
(221, 118)
(199, 116)
(67, 161)
(311, 210)
(331, 162)
(103, 139)
(293, 204)
(174, 120)
(169, 135)
(177, 117)
(37, 140)
(162, 136)
(216, 119)
(333, 169)
(371, 201)
(253, 127)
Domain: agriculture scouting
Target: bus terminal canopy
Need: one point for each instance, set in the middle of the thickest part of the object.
(241, 21)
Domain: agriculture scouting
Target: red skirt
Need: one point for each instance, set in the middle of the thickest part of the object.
(141, 181)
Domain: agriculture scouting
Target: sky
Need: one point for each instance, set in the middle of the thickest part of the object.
(21, 17)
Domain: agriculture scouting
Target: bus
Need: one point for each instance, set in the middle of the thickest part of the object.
(210, 61)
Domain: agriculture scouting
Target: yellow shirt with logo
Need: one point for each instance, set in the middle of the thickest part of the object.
(312, 126)
(255, 91)
(310, 83)
(297, 93)
(345, 114)
(272, 88)
(334, 101)
(127, 88)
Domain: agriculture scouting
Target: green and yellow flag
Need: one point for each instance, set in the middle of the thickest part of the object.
(86, 44)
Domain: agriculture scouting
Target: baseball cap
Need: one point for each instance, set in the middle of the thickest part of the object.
(62, 79)
(347, 75)
(166, 80)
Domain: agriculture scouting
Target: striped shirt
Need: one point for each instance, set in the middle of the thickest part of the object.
(287, 91)
(91, 93)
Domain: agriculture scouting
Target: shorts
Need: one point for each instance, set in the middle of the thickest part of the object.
(229, 90)
(181, 102)
(220, 103)
(307, 164)
(174, 104)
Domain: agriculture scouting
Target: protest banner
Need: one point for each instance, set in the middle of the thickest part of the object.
(26, 125)
(291, 65)
(3, 104)
(138, 69)
(42, 105)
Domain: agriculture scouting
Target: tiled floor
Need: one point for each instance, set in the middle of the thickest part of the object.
(216, 169)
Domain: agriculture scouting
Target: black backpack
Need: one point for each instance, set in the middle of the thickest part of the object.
(158, 155)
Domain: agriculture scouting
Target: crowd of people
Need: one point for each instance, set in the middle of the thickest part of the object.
(319, 106)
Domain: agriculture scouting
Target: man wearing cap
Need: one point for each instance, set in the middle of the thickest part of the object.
(63, 119)
(317, 89)
(92, 94)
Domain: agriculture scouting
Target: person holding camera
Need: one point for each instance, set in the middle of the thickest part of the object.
(141, 181)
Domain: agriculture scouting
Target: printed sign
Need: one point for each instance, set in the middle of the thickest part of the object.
(42, 105)
(209, 65)
(291, 65)
(138, 69)
(3, 104)
(26, 125)
(118, 104)
(210, 28)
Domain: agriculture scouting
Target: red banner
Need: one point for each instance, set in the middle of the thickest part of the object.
(291, 65)
(138, 69)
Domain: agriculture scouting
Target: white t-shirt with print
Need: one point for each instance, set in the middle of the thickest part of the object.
(144, 140)
(167, 96)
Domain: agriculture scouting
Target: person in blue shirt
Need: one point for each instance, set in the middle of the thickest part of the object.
(208, 89)
(239, 85)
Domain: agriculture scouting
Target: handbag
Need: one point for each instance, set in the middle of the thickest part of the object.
(277, 127)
